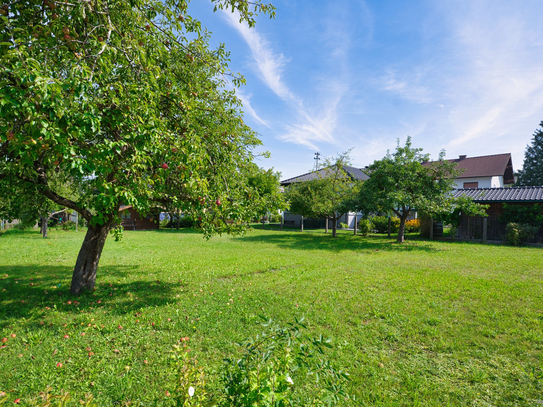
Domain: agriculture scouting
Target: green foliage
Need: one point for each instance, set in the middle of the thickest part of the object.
(532, 169)
(269, 195)
(343, 225)
(401, 184)
(380, 223)
(184, 222)
(118, 233)
(452, 214)
(276, 218)
(329, 195)
(68, 225)
(189, 386)
(274, 367)
(365, 226)
(127, 102)
(523, 214)
(519, 233)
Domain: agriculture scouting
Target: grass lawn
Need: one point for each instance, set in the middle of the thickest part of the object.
(422, 323)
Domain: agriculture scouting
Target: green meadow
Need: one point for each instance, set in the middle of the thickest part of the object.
(424, 323)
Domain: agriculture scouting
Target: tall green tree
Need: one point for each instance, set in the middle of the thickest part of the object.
(400, 183)
(327, 196)
(127, 100)
(532, 169)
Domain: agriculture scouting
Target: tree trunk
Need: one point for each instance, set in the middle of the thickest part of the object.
(44, 222)
(334, 226)
(86, 265)
(389, 226)
(401, 230)
(326, 226)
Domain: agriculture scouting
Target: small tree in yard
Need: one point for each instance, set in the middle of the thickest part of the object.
(328, 196)
(400, 183)
(126, 100)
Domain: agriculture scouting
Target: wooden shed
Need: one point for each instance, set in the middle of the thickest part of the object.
(132, 220)
(491, 227)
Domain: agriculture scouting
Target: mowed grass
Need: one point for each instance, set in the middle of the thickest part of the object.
(422, 323)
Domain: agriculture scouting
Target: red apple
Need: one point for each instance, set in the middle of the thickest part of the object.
(181, 18)
(174, 150)
(218, 202)
(165, 166)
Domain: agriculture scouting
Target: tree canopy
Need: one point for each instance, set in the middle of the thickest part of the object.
(127, 101)
(326, 196)
(532, 170)
(401, 184)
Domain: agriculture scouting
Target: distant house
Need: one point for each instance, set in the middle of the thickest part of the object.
(473, 227)
(356, 174)
(132, 220)
(487, 171)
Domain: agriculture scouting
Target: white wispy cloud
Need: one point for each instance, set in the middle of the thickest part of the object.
(269, 64)
(407, 87)
(247, 108)
(502, 85)
(309, 127)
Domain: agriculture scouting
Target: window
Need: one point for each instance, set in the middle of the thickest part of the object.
(470, 185)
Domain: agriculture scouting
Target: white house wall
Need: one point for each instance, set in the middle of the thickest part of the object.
(482, 182)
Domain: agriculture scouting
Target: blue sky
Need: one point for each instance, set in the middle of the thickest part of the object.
(330, 75)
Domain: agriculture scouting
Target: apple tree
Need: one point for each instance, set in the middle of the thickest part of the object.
(127, 101)
(400, 183)
(329, 195)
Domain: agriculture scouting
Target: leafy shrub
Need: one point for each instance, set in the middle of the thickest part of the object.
(412, 226)
(380, 223)
(275, 218)
(343, 225)
(522, 214)
(189, 388)
(68, 225)
(365, 227)
(184, 222)
(519, 233)
(283, 367)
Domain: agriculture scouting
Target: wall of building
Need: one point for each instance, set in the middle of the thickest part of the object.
(483, 182)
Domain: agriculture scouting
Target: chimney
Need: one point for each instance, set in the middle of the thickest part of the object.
(462, 156)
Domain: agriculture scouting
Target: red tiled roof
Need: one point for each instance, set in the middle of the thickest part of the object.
(485, 166)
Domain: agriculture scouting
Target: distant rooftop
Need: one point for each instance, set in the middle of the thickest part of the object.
(514, 194)
(485, 166)
(353, 172)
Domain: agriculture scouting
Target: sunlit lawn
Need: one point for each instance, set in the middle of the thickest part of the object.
(423, 323)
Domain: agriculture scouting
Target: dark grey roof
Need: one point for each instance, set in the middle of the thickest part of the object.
(515, 194)
(353, 172)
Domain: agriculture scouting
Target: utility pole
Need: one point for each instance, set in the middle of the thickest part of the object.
(317, 158)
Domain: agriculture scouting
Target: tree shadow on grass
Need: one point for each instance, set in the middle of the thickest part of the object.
(318, 240)
(32, 291)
